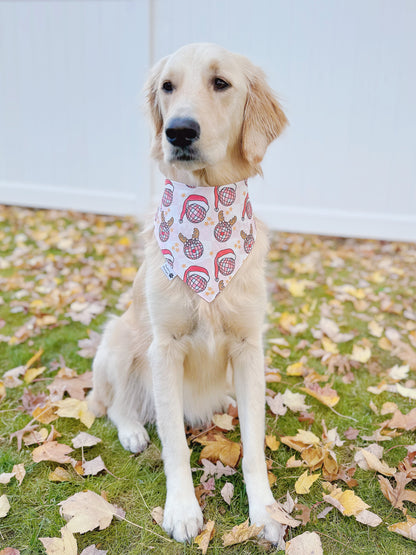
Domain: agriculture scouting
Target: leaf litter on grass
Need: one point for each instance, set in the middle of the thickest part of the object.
(341, 337)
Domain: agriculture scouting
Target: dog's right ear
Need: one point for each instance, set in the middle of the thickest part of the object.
(154, 110)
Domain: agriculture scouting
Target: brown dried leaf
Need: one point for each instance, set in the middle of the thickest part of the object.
(60, 475)
(83, 439)
(241, 533)
(325, 395)
(406, 529)
(203, 539)
(4, 506)
(52, 451)
(277, 512)
(74, 386)
(94, 466)
(220, 448)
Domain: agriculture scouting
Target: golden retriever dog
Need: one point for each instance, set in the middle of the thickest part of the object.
(174, 356)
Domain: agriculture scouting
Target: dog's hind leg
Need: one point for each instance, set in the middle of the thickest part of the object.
(122, 385)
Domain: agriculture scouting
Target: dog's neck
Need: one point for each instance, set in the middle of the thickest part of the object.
(211, 176)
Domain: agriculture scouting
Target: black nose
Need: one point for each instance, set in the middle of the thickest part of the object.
(182, 131)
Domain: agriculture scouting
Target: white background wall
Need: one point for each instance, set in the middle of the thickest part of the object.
(72, 133)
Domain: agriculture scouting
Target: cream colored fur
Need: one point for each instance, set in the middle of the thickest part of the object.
(173, 356)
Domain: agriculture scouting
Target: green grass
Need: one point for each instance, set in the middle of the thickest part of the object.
(137, 483)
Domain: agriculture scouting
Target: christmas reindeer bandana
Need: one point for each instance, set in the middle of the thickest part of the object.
(205, 234)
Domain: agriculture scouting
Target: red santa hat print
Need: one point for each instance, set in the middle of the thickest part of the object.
(195, 208)
(168, 193)
(197, 277)
(168, 256)
(224, 263)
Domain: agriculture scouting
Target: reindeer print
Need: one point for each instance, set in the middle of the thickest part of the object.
(164, 228)
(248, 239)
(223, 229)
(192, 248)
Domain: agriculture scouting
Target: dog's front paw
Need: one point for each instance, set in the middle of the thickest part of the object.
(272, 531)
(133, 437)
(182, 519)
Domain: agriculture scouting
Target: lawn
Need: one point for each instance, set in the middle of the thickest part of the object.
(340, 345)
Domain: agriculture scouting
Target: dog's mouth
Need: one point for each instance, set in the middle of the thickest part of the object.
(184, 154)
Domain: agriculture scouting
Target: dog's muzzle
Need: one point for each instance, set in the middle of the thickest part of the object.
(182, 133)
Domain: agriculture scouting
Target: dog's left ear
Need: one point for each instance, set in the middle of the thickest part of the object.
(264, 118)
(154, 110)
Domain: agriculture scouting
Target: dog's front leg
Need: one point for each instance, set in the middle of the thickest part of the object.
(182, 516)
(248, 365)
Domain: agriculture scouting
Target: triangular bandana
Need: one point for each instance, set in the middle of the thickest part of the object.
(205, 233)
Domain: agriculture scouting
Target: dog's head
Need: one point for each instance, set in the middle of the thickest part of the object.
(211, 107)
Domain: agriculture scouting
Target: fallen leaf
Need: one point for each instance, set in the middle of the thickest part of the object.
(301, 440)
(294, 401)
(217, 470)
(305, 513)
(92, 550)
(308, 543)
(94, 466)
(369, 518)
(351, 433)
(45, 413)
(325, 395)
(399, 372)
(32, 373)
(272, 443)
(406, 529)
(227, 492)
(276, 404)
(60, 475)
(277, 512)
(304, 482)
(223, 421)
(89, 345)
(74, 408)
(220, 448)
(375, 329)
(83, 439)
(4, 506)
(403, 421)
(5, 477)
(2, 391)
(203, 539)
(157, 515)
(52, 451)
(67, 545)
(388, 408)
(9, 551)
(241, 533)
(375, 464)
(360, 354)
(73, 385)
(85, 511)
(346, 502)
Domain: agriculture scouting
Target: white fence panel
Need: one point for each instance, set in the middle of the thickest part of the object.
(72, 133)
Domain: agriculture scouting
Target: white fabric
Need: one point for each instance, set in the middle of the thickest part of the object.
(205, 233)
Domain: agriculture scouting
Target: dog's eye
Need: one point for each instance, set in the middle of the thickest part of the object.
(167, 86)
(220, 84)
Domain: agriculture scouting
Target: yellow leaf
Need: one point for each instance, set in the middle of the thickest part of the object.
(375, 464)
(329, 346)
(60, 475)
(19, 472)
(287, 320)
(295, 369)
(271, 478)
(125, 241)
(385, 344)
(45, 414)
(33, 373)
(301, 440)
(295, 287)
(406, 529)
(350, 503)
(73, 408)
(375, 329)
(205, 536)
(360, 354)
(241, 533)
(272, 443)
(2, 391)
(35, 358)
(304, 482)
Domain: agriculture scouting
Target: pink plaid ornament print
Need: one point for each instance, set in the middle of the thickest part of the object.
(205, 233)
